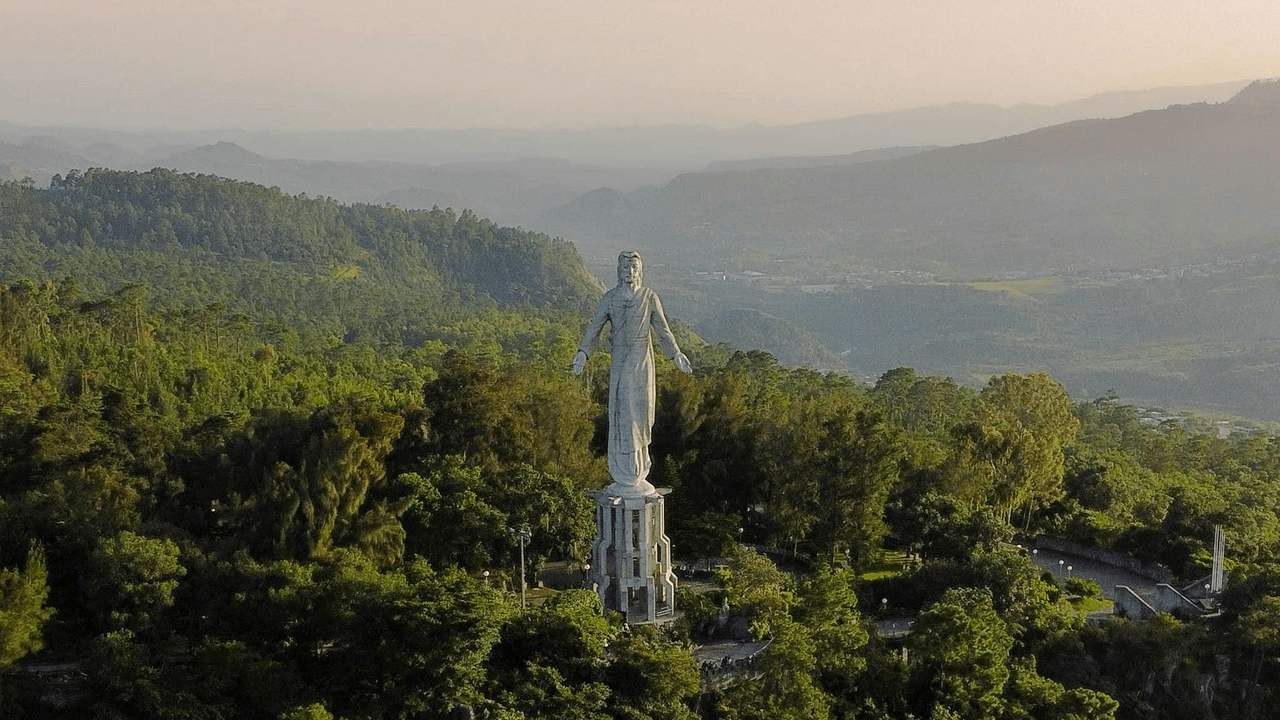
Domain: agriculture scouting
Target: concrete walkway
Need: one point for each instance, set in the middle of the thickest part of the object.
(898, 626)
(725, 663)
(1107, 576)
(727, 651)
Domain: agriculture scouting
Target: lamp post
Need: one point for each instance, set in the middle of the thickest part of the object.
(1060, 563)
(1069, 568)
(586, 576)
(486, 578)
(524, 536)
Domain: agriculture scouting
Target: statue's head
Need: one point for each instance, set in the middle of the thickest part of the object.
(630, 268)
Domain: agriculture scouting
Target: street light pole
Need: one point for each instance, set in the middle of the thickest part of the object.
(524, 536)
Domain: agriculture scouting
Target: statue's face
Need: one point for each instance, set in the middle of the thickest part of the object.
(630, 269)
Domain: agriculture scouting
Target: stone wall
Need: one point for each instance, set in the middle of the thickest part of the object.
(1131, 605)
(1169, 600)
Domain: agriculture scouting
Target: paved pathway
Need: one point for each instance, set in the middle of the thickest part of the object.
(718, 650)
(895, 626)
(1107, 576)
(724, 663)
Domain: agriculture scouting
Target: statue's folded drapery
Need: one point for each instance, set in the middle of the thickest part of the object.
(631, 386)
(632, 310)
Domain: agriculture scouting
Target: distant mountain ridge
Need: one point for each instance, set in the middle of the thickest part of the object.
(1261, 93)
(511, 193)
(1184, 182)
(801, 162)
(670, 147)
(516, 176)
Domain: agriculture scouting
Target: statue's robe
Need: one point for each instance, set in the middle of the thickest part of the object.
(632, 314)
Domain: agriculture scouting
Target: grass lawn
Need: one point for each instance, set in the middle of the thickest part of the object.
(886, 565)
(1088, 605)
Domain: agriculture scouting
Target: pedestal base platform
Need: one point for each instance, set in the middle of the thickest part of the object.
(631, 556)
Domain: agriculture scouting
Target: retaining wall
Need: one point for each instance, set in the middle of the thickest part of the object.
(1169, 600)
(1131, 605)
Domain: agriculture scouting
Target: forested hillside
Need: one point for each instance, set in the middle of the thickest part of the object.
(196, 237)
(214, 506)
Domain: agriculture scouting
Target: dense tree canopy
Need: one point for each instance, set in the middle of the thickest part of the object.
(256, 452)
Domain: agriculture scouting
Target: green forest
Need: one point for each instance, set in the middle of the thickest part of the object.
(261, 457)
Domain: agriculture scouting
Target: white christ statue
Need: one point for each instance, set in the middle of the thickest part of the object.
(632, 310)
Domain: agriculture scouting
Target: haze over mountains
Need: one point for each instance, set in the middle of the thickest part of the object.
(516, 176)
(862, 237)
(874, 260)
(1180, 184)
(513, 192)
(42, 151)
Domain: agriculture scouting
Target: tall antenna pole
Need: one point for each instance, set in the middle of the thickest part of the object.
(1216, 581)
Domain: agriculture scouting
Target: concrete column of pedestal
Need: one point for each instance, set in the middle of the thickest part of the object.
(631, 532)
(665, 576)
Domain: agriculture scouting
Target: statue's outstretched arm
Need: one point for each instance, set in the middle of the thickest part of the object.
(666, 339)
(590, 336)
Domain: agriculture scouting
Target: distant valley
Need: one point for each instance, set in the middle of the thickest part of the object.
(1138, 255)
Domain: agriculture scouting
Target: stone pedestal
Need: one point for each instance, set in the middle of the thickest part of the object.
(631, 556)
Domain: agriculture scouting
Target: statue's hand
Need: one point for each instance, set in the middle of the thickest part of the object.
(579, 362)
(682, 362)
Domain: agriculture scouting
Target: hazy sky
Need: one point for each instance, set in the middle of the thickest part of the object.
(336, 64)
